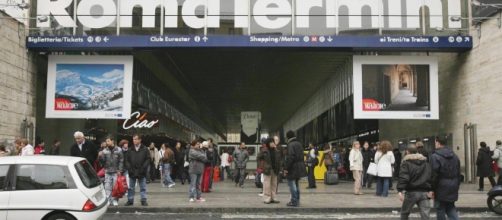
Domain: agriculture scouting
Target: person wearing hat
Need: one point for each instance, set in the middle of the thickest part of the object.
(497, 156)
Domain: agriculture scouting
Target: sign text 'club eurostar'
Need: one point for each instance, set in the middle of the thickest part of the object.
(269, 14)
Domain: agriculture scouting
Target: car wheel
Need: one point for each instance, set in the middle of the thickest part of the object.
(60, 216)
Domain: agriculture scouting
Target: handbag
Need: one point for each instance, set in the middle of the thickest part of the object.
(101, 173)
(372, 169)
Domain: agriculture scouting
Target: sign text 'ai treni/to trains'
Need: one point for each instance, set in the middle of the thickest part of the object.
(269, 14)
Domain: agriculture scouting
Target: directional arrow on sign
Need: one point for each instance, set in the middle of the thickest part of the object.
(106, 39)
(330, 39)
(205, 39)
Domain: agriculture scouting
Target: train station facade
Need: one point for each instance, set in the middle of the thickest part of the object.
(331, 70)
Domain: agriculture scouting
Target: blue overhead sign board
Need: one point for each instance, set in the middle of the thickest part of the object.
(394, 43)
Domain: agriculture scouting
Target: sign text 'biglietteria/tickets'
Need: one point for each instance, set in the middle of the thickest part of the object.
(269, 14)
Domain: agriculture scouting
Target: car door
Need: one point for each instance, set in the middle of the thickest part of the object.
(4, 194)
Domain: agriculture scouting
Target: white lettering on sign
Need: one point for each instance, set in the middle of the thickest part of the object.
(137, 120)
(269, 14)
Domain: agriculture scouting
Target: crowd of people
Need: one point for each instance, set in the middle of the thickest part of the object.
(422, 176)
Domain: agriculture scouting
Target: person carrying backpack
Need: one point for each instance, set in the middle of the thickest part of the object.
(497, 157)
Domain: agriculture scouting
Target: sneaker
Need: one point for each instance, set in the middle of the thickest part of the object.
(129, 203)
(171, 185)
(115, 203)
(144, 203)
(290, 204)
(201, 200)
(191, 200)
(261, 194)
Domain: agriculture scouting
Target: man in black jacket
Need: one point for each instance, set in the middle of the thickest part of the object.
(446, 179)
(137, 162)
(294, 168)
(368, 157)
(83, 148)
(415, 183)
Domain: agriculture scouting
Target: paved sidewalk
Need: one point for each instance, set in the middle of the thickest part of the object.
(226, 197)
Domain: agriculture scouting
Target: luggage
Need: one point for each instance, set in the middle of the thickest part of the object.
(206, 176)
(331, 178)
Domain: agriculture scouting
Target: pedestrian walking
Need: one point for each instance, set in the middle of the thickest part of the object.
(124, 146)
(282, 152)
(56, 144)
(327, 159)
(112, 160)
(241, 158)
(225, 165)
(356, 166)
(213, 158)
(84, 148)
(137, 162)
(270, 162)
(179, 155)
(484, 165)
(294, 168)
(24, 148)
(421, 149)
(415, 184)
(167, 162)
(446, 180)
(3, 151)
(384, 158)
(40, 147)
(312, 162)
(197, 158)
(368, 157)
(497, 157)
(154, 163)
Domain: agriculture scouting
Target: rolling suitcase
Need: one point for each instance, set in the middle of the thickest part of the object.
(331, 178)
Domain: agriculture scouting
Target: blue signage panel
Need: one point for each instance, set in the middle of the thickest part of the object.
(394, 43)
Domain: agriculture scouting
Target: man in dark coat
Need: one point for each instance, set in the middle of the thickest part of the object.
(83, 148)
(446, 179)
(294, 168)
(180, 162)
(484, 162)
(368, 157)
(415, 184)
(137, 162)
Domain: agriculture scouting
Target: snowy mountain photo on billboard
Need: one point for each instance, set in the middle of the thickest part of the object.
(89, 87)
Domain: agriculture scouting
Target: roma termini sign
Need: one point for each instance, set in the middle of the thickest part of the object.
(269, 14)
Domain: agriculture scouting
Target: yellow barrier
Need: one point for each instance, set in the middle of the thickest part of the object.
(319, 170)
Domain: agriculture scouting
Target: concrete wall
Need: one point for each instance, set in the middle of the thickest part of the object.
(470, 90)
(17, 79)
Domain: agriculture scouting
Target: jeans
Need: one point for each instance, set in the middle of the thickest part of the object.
(311, 176)
(166, 169)
(222, 173)
(195, 192)
(240, 174)
(142, 187)
(383, 186)
(294, 189)
(482, 181)
(447, 208)
(419, 198)
(110, 179)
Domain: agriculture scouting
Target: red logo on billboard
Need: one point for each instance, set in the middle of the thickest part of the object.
(63, 104)
(373, 105)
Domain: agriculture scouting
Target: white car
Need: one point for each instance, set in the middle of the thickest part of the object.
(50, 188)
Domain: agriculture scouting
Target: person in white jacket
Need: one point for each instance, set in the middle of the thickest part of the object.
(356, 166)
(384, 158)
(24, 148)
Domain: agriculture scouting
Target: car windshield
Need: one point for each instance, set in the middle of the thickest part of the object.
(87, 174)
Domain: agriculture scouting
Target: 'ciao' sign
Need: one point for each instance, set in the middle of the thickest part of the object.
(138, 120)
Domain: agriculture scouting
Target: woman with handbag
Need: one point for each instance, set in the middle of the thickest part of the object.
(384, 158)
(112, 160)
(356, 166)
